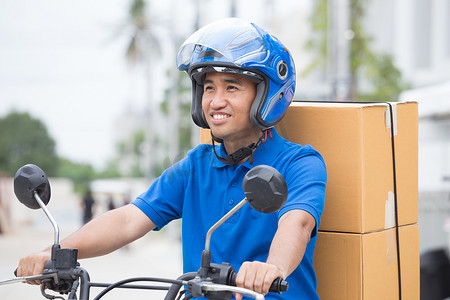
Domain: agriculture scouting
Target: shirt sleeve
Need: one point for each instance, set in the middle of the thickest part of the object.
(306, 180)
(163, 201)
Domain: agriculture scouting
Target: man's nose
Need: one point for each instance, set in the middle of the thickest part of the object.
(218, 101)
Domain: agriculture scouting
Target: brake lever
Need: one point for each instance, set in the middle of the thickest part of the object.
(29, 278)
(214, 287)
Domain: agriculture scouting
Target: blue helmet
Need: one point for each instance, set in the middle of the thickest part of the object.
(233, 45)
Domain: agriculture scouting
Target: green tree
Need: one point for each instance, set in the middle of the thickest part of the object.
(80, 174)
(130, 151)
(384, 78)
(137, 20)
(185, 122)
(24, 140)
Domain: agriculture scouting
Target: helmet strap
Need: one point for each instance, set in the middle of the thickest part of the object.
(242, 152)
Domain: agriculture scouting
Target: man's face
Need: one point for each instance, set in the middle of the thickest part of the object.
(226, 103)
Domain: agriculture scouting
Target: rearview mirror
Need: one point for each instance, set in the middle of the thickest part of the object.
(265, 189)
(28, 180)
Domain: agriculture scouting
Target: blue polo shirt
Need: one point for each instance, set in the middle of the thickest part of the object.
(200, 189)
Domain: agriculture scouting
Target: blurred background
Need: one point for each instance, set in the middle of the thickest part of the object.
(89, 91)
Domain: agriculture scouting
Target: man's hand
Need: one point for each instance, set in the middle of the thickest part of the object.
(286, 252)
(257, 276)
(33, 265)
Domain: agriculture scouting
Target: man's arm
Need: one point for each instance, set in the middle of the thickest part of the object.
(107, 233)
(286, 252)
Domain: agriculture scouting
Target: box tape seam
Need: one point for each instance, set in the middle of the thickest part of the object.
(392, 123)
(389, 211)
(391, 247)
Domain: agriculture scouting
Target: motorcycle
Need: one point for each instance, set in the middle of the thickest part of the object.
(265, 190)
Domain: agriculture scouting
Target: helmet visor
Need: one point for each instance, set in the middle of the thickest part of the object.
(229, 40)
(199, 73)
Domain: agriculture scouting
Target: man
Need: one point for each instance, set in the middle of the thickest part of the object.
(88, 206)
(243, 80)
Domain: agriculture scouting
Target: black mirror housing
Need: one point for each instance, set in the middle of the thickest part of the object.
(265, 189)
(28, 180)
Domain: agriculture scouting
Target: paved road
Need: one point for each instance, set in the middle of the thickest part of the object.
(155, 255)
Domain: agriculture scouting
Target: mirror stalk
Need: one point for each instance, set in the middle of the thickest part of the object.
(49, 216)
(221, 221)
(206, 253)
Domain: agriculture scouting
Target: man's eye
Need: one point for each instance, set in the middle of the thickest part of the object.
(232, 87)
(208, 88)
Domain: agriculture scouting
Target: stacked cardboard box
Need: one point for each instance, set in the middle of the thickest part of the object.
(364, 266)
(355, 141)
(356, 253)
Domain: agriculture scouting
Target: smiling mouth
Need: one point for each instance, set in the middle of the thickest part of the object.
(220, 116)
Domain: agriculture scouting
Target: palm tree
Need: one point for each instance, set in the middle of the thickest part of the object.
(143, 49)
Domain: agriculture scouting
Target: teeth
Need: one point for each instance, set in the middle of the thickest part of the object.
(219, 117)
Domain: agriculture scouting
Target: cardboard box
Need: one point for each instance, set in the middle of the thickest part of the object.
(205, 136)
(364, 266)
(355, 141)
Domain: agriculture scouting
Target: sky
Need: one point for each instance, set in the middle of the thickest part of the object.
(63, 62)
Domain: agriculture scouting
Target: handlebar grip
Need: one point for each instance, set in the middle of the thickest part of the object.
(47, 266)
(278, 285)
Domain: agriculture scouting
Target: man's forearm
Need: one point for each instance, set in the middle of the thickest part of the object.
(109, 232)
(290, 242)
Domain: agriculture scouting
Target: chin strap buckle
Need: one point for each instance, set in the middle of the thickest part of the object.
(241, 153)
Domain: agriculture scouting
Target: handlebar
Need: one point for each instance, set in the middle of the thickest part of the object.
(68, 281)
